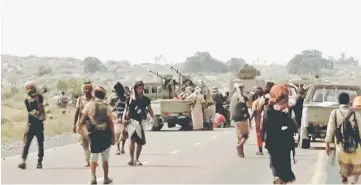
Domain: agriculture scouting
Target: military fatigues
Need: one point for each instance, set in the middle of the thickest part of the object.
(84, 138)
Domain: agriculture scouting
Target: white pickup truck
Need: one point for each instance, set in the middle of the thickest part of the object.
(173, 112)
(320, 100)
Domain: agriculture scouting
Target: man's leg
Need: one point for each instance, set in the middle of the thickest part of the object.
(117, 140)
(259, 139)
(139, 151)
(28, 138)
(93, 167)
(40, 138)
(105, 159)
(131, 151)
(85, 144)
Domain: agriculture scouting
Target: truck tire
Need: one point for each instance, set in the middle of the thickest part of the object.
(306, 143)
(157, 128)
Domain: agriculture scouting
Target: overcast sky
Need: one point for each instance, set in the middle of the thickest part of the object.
(138, 30)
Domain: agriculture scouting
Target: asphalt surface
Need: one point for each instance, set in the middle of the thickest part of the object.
(172, 157)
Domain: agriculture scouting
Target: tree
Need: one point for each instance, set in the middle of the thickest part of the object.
(308, 62)
(62, 85)
(203, 62)
(234, 64)
(43, 71)
(92, 65)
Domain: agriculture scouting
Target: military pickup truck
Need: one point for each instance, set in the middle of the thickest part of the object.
(173, 112)
(320, 100)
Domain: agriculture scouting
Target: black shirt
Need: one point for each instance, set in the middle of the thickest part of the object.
(279, 129)
(32, 105)
(138, 108)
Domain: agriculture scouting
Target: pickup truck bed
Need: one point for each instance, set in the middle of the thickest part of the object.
(171, 107)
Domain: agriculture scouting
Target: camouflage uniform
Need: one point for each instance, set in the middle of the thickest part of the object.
(84, 138)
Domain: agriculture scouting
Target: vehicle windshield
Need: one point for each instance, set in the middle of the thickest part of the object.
(330, 94)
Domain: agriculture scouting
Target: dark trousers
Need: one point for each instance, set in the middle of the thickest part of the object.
(39, 134)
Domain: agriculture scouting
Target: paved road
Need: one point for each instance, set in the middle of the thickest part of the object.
(170, 157)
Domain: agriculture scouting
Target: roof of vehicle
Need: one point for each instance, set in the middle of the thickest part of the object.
(336, 85)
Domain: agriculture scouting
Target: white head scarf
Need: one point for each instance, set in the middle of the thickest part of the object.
(197, 90)
(29, 84)
(238, 92)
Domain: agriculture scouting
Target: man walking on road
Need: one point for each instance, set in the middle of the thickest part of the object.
(257, 115)
(118, 103)
(240, 116)
(137, 110)
(35, 127)
(81, 102)
(101, 132)
(344, 126)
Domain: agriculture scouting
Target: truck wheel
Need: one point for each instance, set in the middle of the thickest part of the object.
(158, 125)
(157, 128)
(306, 143)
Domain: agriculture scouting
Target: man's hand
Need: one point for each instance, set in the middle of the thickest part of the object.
(328, 150)
(250, 124)
(113, 139)
(74, 129)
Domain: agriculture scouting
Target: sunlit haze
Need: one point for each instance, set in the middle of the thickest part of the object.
(139, 30)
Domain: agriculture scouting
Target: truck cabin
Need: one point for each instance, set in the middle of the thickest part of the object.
(330, 93)
(153, 90)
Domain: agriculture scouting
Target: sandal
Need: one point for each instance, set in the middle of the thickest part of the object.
(131, 163)
(107, 181)
(122, 152)
(117, 153)
(259, 153)
(94, 181)
(139, 163)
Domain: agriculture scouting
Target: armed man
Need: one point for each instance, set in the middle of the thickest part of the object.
(80, 104)
(35, 126)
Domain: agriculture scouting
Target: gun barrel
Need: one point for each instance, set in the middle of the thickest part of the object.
(157, 74)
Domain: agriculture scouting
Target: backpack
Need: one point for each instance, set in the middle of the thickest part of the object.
(100, 121)
(347, 135)
(242, 113)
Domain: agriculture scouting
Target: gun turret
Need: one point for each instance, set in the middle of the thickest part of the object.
(182, 78)
(157, 74)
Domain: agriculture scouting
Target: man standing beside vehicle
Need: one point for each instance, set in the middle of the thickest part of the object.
(81, 102)
(100, 131)
(35, 126)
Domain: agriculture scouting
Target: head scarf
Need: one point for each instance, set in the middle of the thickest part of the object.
(136, 85)
(238, 93)
(87, 85)
(356, 103)
(197, 90)
(30, 88)
(278, 92)
(119, 90)
(29, 84)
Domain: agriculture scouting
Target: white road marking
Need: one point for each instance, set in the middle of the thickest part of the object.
(320, 173)
(196, 144)
(174, 152)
